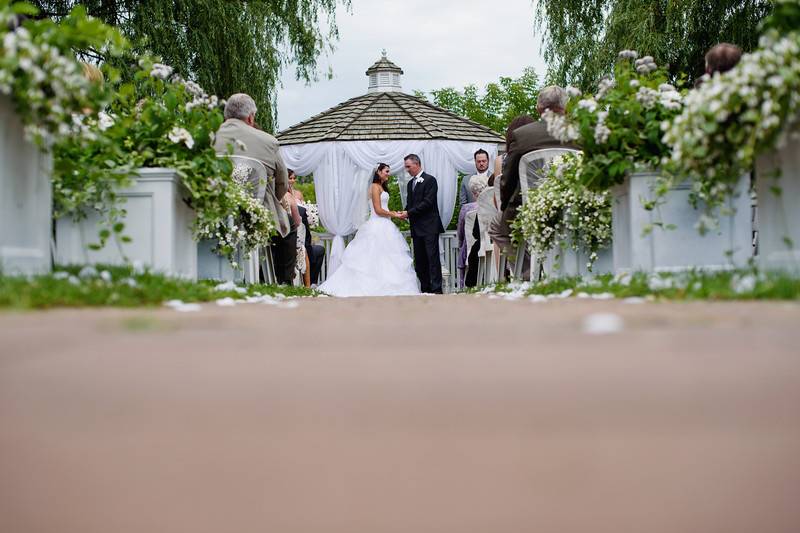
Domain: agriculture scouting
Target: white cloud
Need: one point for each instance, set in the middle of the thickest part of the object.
(437, 43)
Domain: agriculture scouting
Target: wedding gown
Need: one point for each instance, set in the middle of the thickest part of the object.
(377, 262)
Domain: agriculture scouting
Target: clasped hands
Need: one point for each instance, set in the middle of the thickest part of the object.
(403, 215)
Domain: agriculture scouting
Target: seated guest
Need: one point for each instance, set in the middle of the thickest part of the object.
(298, 194)
(477, 184)
(520, 141)
(481, 158)
(314, 253)
(722, 58)
(300, 266)
(239, 132)
(473, 241)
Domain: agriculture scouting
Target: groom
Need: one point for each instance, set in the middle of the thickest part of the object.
(422, 211)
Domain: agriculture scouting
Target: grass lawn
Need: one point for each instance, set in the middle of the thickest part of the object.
(121, 287)
(744, 284)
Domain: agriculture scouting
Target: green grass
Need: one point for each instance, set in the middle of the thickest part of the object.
(119, 287)
(744, 284)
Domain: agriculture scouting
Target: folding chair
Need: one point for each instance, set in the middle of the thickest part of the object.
(533, 168)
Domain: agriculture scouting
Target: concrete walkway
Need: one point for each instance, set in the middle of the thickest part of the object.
(432, 414)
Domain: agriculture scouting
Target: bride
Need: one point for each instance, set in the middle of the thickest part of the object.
(377, 262)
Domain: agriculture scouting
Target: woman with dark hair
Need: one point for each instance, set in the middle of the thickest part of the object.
(381, 176)
(377, 262)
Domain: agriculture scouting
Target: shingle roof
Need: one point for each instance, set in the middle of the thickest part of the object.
(387, 116)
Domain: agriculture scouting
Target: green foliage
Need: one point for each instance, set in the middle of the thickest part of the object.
(41, 74)
(619, 129)
(396, 203)
(784, 18)
(582, 38)
(453, 226)
(119, 287)
(157, 120)
(308, 190)
(227, 46)
(734, 117)
(497, 105)
(743, 284)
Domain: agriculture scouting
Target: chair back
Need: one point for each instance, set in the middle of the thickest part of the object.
(533, 167)
(256, 179)
(252, 174)
(487, 211)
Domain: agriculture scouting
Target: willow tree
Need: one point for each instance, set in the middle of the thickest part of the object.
(227, 46)
(582, 37)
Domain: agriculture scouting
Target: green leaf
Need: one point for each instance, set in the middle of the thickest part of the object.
(24, 8)
(171, 101)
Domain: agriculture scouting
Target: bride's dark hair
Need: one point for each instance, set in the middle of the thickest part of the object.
(377, 179)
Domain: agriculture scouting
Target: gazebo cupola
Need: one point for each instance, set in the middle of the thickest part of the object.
(384, 76)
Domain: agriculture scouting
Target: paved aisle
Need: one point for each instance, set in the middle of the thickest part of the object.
(448, 414)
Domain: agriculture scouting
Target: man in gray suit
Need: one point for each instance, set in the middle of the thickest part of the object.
(239, 131)
(482, 169)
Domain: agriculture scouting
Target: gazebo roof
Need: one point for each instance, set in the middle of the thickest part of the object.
(387, 116)
(384, 65)
(386, 113)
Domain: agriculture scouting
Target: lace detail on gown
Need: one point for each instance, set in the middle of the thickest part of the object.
(377, 262)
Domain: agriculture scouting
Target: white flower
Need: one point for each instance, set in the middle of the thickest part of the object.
(104, 121)
(743, 284)
(666, 87)
(601, 133)
(605, 85)
(559, 126)
(589, 104)
(645, 65)
(573, 92)
(181, 135)
(647, 97)
(194, 89)
(628, 54)
(161, 71)
(634, 83)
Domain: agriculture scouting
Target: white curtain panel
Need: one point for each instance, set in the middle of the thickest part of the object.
(342, 170)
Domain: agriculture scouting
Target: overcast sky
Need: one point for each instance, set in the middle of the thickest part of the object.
(437, 43)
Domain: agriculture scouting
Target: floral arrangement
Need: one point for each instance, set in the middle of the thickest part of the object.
(312, 211)
(619, 128)
(733, 117)
(42, 76)
(158, 120)
(562, 211)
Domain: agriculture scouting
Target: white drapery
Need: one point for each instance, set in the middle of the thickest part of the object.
(342, 173)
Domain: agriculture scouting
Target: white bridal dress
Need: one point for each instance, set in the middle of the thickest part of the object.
(377, 262)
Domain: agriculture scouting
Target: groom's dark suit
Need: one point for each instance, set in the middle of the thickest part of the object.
(426, 225)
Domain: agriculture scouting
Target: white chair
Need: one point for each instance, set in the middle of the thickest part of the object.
(533, 168)
(257, 181)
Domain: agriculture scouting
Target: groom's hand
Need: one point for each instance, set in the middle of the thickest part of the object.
(404, 215)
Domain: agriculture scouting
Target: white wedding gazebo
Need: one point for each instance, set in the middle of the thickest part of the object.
(341, 147)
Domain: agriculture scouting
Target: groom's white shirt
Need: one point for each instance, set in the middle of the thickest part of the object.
(415, 178)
